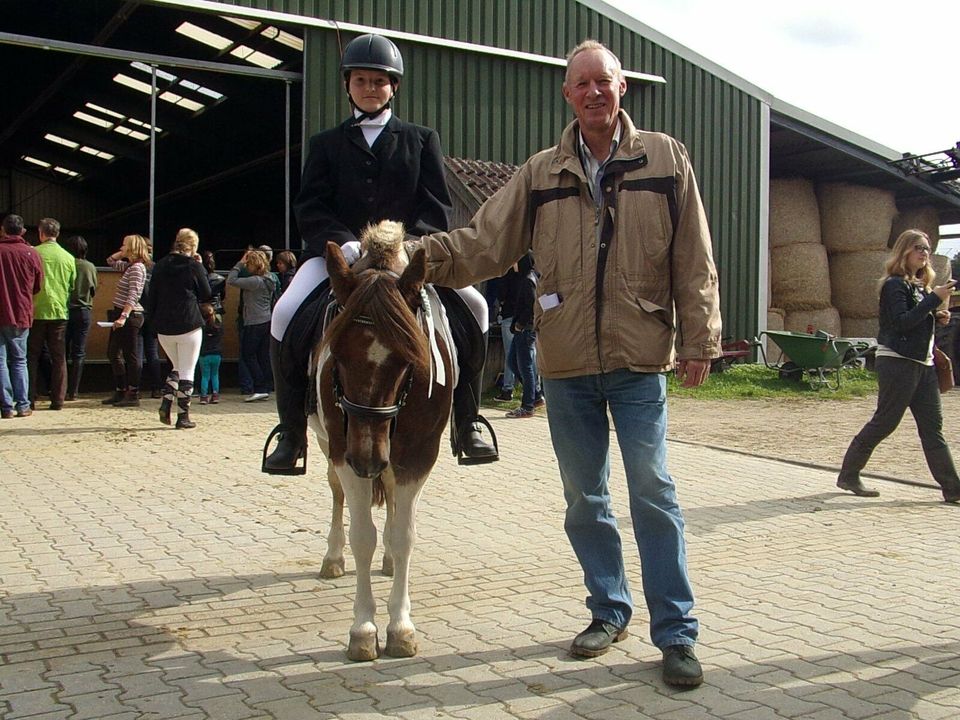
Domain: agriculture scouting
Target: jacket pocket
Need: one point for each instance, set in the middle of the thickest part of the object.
(562, 344)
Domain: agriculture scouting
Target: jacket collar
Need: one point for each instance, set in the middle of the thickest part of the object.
(355, 134)
(566, 156)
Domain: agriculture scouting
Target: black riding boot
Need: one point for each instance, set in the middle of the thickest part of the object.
(854, 461)
(290, 387)
(184, 391)
(169, 395)
(467, 431)
(940, 462)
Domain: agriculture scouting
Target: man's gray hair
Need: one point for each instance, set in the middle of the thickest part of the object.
(13, 225)
(592, 45)
(49, 227)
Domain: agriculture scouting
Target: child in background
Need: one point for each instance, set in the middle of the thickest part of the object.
(211, 353)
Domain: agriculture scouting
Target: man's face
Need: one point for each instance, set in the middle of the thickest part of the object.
(593, 89)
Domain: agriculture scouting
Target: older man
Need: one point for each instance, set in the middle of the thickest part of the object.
(22, 277)
(628, 292)
(50, 313)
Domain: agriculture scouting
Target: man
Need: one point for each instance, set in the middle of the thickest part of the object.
(22, 277)
(628, 292)
(50, 311)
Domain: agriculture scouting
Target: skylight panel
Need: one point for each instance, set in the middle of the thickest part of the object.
(102, 154)
(92, 119)
(255, 57)
(141, 123)
(162, 74)
(202, 35)
(242, 22)
(66, 171)
(133, 83)
(103, 110)
(283, 37)
(135, 134)
(35, 161)
(61, 141)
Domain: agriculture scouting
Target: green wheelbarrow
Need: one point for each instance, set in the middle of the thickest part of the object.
(819, 356)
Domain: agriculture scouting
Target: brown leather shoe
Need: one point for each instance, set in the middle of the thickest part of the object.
(26, 412)
(596, 639)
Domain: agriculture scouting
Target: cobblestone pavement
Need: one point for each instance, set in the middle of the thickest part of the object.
(153, 573)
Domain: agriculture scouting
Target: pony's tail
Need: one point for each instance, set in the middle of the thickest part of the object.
(379, 494)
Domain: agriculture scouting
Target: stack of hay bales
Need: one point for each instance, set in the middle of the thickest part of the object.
(799, 273)
(855, 223)
(922, 217)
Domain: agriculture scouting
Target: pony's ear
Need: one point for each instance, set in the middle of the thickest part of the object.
(342, 281)
(411, 282)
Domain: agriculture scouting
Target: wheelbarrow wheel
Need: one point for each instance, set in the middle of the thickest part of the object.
(791, 371)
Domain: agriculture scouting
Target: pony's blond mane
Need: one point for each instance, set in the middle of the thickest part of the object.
(381, 246)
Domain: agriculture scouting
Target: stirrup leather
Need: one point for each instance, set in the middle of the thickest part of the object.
(297, 469)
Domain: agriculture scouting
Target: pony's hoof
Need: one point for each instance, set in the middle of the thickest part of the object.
(387, 566)
(401, 644)
(363, 647)
(331, 569)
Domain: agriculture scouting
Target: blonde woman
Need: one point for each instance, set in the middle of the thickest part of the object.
(258, 288)
(905, 374)
(127, 315)
(178, 285)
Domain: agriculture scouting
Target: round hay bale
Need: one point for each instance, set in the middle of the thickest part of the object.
(799, 277)
(854, 279)
(794, 213)
(923, 218)
(859, 327)
(826, 319)
(855, 217)
(941, 265)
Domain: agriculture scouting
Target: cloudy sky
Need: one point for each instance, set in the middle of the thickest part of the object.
(887, 71)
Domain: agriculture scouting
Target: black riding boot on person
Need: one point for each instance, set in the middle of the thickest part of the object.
(168, 395)
(184, 391)
(290, 388)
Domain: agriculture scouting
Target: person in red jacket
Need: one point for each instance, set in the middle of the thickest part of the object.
(22, 274)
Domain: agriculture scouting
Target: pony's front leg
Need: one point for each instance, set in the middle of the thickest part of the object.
(363, 540)
(333, 565)
(386, 566)
(401, 633)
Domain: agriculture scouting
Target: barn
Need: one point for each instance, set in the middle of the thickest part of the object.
(125, 116)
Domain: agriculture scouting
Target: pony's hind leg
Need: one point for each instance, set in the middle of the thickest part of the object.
(364, 644)
(401, 633)
(333, 564)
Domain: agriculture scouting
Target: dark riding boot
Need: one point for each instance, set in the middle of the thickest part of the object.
(467, 432)
(940, 462)
(853, 462)
(131, 398)
(74, 373)
(290, 387)
(184, 390)
(168, 396)
(120, 383)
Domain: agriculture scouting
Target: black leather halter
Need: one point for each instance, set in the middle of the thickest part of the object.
(368, 412)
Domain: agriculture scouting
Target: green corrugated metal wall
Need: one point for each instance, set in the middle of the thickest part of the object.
(497, 108)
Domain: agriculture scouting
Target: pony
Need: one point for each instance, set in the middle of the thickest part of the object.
(384, 382)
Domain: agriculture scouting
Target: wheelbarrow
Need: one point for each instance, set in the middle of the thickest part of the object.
(819, 356)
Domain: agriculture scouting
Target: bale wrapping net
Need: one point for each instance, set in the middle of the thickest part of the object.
(794, 213)
(799, 277)
(854, 281)
(855, 217)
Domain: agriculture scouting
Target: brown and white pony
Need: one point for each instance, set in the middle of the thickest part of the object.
(380, 420)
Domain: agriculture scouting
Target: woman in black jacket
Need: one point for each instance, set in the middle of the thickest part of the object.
(905, 373)
(178, 286)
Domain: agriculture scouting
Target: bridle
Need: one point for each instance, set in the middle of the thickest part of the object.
(369, 412)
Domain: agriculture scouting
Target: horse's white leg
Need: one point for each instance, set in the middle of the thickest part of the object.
(401, 633)
(363, 540)
(386, 566)
(333, 565)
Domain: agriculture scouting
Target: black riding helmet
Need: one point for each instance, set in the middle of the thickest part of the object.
(372, 52)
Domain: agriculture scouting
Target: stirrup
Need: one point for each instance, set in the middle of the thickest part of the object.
(297, 469)
(463, 459)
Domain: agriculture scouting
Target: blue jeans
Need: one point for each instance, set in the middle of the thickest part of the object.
(255, 350)
(14, 382)
(210, 374)
(523, 362)
(506, 337)
(580, 432)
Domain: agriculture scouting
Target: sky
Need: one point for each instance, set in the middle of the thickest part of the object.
(886, 71)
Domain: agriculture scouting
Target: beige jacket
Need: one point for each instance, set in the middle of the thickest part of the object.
(637, 298)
